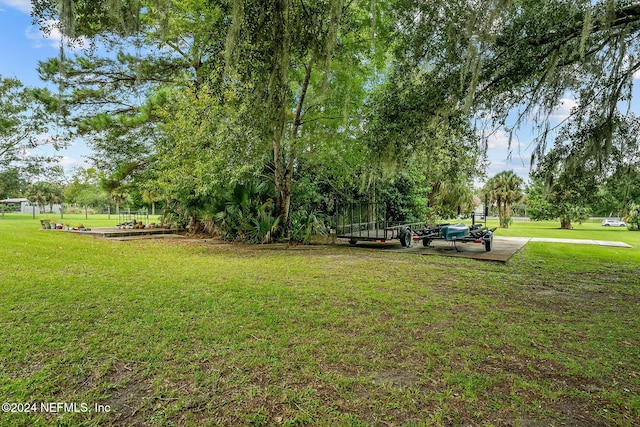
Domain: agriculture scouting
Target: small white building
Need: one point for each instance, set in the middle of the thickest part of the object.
(27, 208)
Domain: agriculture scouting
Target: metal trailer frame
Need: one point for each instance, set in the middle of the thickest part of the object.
(368, 222)
(364, 221)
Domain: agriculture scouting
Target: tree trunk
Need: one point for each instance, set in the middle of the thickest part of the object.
(282, 210)
(284, 173)
(506, 212)
(565, 223)
(278, 103)
(431, 197)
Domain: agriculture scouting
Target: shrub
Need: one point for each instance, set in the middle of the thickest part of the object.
(78, 210)
(633, 218)
(304, 225)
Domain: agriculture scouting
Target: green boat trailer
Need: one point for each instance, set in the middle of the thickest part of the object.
(455, 233)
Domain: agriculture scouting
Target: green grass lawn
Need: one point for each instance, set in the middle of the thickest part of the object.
(586, 230)
(178, 333)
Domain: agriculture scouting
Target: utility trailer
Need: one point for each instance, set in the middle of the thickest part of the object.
(368, 222)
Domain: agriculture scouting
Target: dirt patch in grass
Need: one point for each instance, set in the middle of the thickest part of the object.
(570, 414)
(396, 378)
(126, 391)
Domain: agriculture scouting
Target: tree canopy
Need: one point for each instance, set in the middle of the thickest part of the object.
(328, 99)
(495, 58)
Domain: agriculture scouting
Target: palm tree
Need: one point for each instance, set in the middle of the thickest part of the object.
(45, 193)
(115, 189)
(37, 194)
(504, 189)
(55, 195)
(151, 196)
(451, 196)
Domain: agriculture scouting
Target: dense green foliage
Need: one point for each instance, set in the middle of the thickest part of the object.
(509, 63)
(198, 104)
(569, 190)
(579, 184)
(84, 190)
(497, 57)
(45, 194)
(328, 101)
(12, 184)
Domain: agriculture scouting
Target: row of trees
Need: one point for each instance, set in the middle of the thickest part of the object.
(86, 188)
(571, 181)
(243, 212)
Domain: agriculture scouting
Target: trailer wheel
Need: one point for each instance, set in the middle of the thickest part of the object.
(426, 242)
(405, 238)
(353, 242)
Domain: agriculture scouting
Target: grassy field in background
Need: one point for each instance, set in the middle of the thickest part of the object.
(587, 230)
(186, 333)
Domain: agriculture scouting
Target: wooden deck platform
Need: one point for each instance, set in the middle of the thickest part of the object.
(114, 232)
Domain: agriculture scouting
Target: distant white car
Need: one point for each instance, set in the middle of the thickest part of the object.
(613, 223)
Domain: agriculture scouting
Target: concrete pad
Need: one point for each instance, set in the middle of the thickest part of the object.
(503, 248)
(582, 242)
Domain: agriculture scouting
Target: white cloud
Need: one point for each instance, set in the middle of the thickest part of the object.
(636, 75)
(563, 110)
(39, 38)
(498, 139)
(52, 39)
(45, 148)
(497, 166)
(34, 34)
(22, 5)
(68, 162)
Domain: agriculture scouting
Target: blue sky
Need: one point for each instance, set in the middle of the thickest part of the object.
(23, 45)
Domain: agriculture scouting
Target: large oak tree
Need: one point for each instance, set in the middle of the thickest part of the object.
(251, 77)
